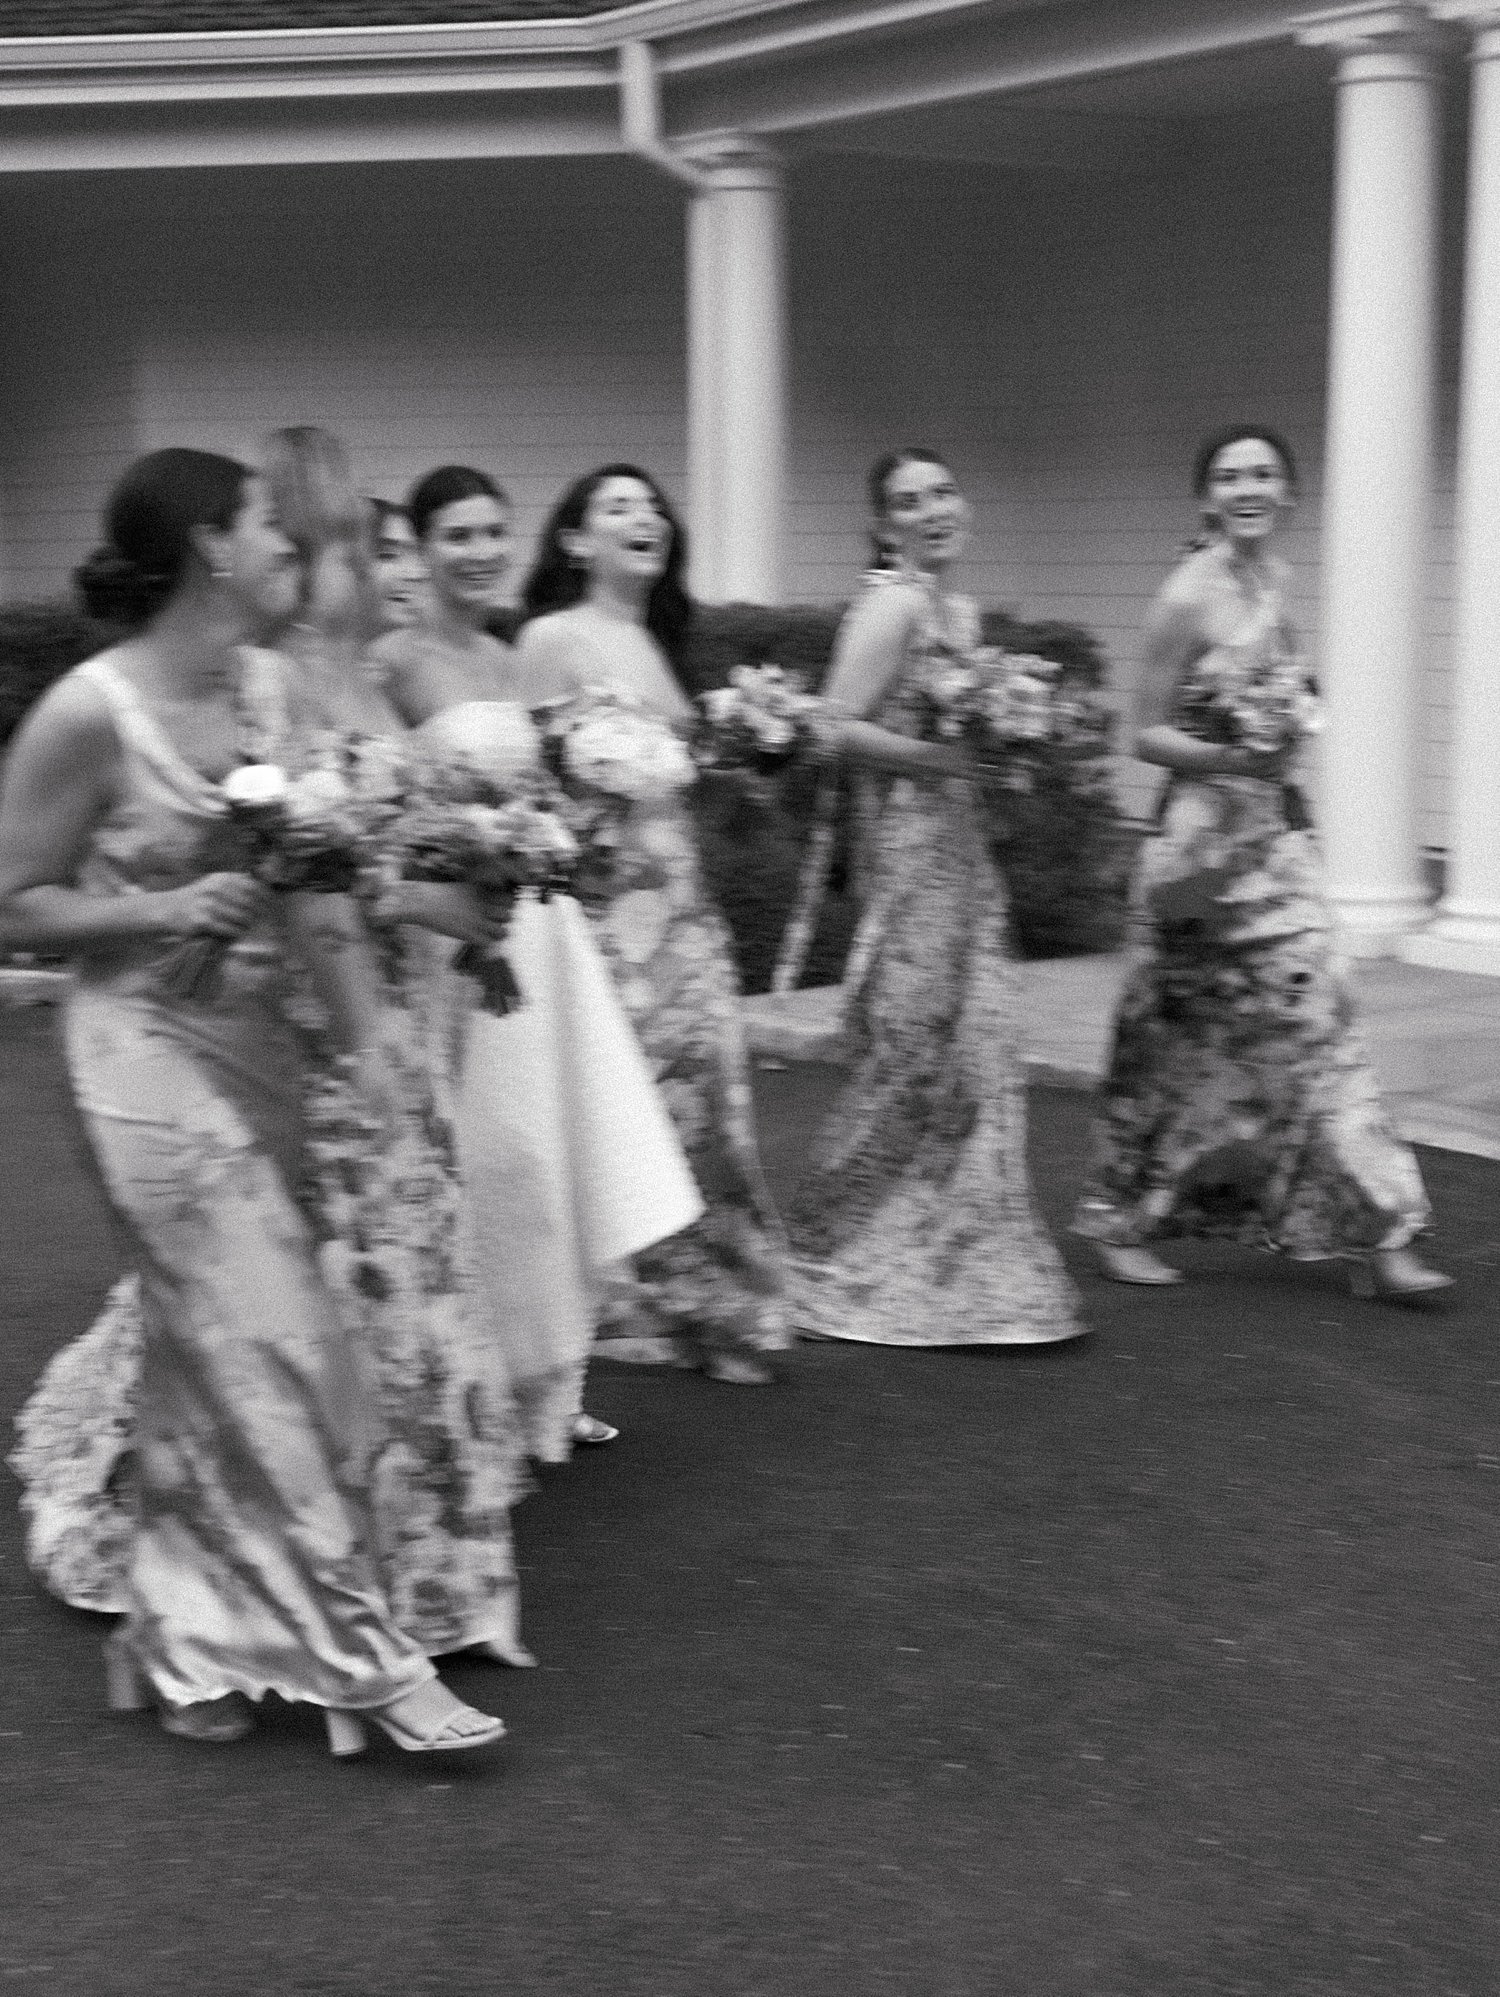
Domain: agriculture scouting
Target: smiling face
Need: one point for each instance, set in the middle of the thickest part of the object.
(625, 537)
(467, 552)
(254, 560)
(925, 522)
(399, 572)
(1247, 490)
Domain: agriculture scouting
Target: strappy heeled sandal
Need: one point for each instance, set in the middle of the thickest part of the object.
(347, 1732)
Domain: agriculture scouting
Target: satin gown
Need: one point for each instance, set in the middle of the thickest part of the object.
(251, 1564)
(444, 1459)
(915, 1223)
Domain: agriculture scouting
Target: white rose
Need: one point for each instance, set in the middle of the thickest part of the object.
(497, 738)
(317, 792)
(256, 787)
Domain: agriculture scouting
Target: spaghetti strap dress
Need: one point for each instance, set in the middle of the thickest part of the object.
(915, 1225)
(251, 1565)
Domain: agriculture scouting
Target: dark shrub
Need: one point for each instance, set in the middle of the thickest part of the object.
(1058, 836)
(39, 642)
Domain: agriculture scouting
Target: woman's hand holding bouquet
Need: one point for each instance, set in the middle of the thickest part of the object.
(313, 833)
(997, 703)
(480, 826)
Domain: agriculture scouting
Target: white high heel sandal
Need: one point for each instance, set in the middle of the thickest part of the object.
(348, 1732)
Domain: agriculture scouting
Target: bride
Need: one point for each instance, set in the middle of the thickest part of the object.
(569, 1161)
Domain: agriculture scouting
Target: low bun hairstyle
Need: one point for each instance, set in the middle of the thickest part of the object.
(446, 487)
(148, 528)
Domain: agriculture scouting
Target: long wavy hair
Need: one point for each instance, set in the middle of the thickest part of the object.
(556, 581)
(319, 507)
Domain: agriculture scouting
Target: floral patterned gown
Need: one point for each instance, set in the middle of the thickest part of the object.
(718, 1285)
(1239, 1099)
(443, 1461)
(250, 1565)
(915, 1225)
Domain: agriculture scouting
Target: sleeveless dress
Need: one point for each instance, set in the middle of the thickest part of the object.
(1239, 1100)
(569, 1162)
(444, 1459)
(251, 1562)
(914, 1225)
(718, 1286)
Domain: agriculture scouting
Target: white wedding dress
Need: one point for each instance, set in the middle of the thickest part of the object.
(566, 1154)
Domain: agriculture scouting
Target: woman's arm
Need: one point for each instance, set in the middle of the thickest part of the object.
(867, 655)
(1174, 639)
(60, 781)
(546, 664)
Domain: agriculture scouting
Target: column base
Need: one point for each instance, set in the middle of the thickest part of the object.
(1377, 926)
(1456, 942)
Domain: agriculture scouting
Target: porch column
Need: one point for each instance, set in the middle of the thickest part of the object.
(737, 370)
(1466, 934)
(1378, 463)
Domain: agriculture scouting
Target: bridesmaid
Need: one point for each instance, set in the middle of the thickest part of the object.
(251, 1565)
(399, 573)
(607, 609)
(1239, 1100)
(915, 1224)
(447, 1463)
(569, 1160)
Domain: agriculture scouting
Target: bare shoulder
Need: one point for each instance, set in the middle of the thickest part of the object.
(68, 742)
(74, 709)
(551, 655)
(394, 651)
(1197, 578)
(885, 612)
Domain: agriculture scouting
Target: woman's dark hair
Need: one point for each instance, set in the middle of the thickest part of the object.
(879, 477)
(148, 531)
(556, 582)
(1242, 433)
(446, 487)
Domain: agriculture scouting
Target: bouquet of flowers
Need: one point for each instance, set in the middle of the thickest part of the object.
(491, 824)
(315, 833)
(998, 702)
(757, 722)
(599, 744)
(1256, 698)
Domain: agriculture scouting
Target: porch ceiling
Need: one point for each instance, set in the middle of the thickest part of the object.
(1055, 83)
(1129, 121)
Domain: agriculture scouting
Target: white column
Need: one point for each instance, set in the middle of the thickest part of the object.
(1466, 934)
(737, 371)
(1378, 465)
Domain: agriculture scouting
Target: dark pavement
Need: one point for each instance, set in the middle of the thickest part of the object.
(1160, 1666)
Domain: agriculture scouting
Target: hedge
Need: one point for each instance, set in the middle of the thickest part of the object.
(1059, 840)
